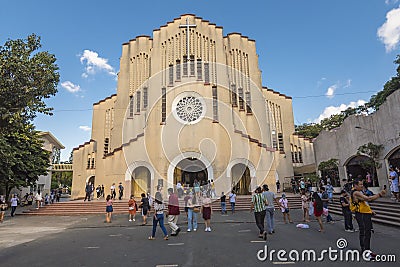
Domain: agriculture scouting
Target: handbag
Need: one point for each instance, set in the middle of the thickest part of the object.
(196, 209)
(131, 208)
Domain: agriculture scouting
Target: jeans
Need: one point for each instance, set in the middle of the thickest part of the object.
(270, 219)
(160, 220)
(223, 207)
(260, 216)
(233, 207)
(13, 208)
(365, 225)
(192, 216)
(348, 220)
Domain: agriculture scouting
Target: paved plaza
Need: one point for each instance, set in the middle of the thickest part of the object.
(88, 241)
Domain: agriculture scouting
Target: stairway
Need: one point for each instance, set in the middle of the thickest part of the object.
(79, 207)
(387, 211)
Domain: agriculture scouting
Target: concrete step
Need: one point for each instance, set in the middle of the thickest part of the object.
(79, 207)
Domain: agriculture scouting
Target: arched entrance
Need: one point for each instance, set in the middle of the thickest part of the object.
(241, 180)
(190, 169)
(91, 180)
(141, 181)
(394, 158)
(360, 166)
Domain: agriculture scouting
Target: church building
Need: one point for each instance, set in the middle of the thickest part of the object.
(190, 105)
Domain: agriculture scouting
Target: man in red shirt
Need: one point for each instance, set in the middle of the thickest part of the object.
(173, 212)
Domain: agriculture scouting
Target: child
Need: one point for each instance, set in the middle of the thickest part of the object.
(305, 204)
(132, 208)
(109, 209)
(223, 203)
(284, 204)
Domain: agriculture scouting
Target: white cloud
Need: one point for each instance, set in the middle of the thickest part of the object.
(348, 84)
(94, 63)
(85, 128)
(328, 111)
(331, 91)
(389, 2)
(389, 32)
(70, 87)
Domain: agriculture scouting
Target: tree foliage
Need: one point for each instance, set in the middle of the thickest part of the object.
(27, 78)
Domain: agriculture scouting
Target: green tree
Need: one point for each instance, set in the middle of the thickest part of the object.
(308, 130)
(27, 77)
(372, 163)
(330, 168)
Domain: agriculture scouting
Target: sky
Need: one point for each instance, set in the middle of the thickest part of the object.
(327, 55)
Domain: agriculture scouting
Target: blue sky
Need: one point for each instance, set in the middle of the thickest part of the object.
(327, 55)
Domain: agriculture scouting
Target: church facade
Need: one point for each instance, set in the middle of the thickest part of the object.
(189, 106)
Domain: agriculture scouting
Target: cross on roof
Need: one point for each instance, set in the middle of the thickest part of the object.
(187, 26)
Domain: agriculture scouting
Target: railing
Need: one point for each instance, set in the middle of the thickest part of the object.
(61, 167)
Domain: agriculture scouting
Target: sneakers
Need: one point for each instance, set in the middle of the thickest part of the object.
(208, 229)
(130, 220)
(349, 231)
(177, 231)
(133, 219)
(189, 230)
(194, 229)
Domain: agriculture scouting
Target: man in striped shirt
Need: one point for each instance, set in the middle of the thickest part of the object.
(259, 203)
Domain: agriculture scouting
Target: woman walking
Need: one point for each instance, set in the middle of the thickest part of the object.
(193, 209)
(132, 208)
(206, 210)
(38, 199)
(284, 203)
(158, 217)
(318, 210)
(109, 209)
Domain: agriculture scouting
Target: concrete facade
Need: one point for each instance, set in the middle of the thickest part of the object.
(379, 128)
(187, 105)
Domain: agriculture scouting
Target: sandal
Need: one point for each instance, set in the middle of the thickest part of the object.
(151, 238)
(166, 237)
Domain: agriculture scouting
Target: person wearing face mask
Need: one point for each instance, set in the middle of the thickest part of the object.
(284, 205)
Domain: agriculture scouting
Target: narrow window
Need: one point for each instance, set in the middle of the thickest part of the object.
(88, 163)
(248, 103)
(300, 156)
(171, 75)
(163, 105)
(199, 70)
(206, 73)
(191, 65)
(234, 95)
(106, 141)
(92, 164)
(131, 107)
(241, 100)
(215, 103)
(145, 97)
(138, 102)
(296, 155)
(178, 70)
(274, 141)
(280, 142)
(185, 66)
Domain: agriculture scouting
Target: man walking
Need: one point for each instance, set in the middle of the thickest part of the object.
(269, 211)
(173, 212)
(258, 203)
(88, 191)
(14, 204)
(121, 190)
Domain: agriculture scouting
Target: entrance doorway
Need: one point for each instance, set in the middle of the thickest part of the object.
(141, 181)
(91, 180)
(394, 159)
(360, 166)
(241, 179)
(188, 170)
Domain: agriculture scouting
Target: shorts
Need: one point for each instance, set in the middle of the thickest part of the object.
(109, 209)
(394, 188)
(144, 211)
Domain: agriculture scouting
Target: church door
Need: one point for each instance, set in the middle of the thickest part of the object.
(241, 179)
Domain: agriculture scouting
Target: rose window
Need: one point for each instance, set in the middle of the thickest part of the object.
(189, 109)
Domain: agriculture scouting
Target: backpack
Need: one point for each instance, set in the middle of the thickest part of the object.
(354, 206)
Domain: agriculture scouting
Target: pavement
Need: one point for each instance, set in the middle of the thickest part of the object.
(88, 241)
